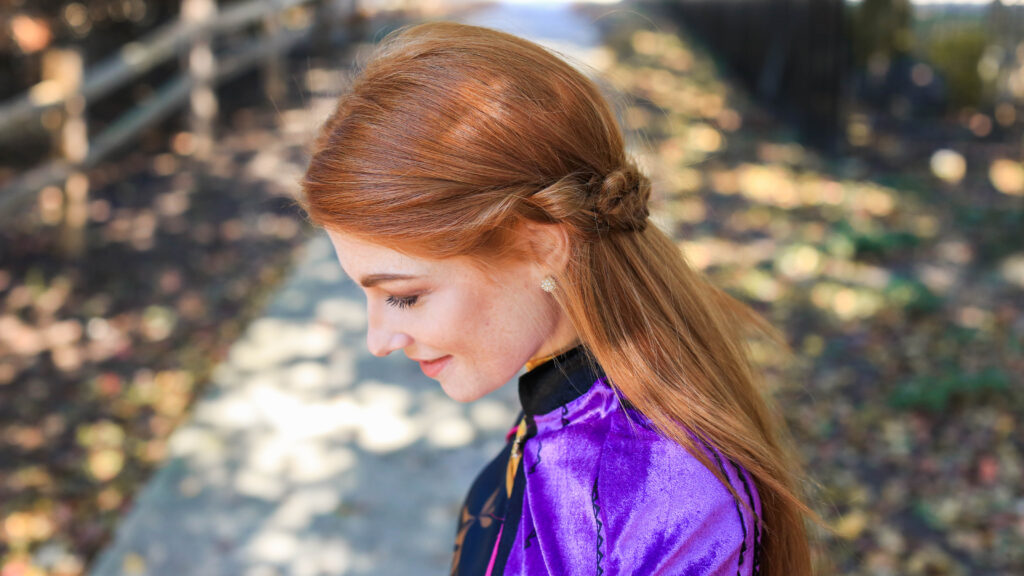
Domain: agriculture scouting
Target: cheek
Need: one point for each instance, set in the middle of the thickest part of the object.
(492, 323)
(458, 321)
(478, 320)
(517, 322)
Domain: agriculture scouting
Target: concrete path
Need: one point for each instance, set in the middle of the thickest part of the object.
(309, 456)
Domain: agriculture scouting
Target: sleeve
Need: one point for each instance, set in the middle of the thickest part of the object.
(662, 512)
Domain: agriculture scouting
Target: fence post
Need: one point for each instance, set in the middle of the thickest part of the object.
(201, 71)
(273, 67)
(354, 22)
(323, 21)
(65, 69)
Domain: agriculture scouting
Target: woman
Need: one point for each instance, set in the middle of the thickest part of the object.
(478, 189)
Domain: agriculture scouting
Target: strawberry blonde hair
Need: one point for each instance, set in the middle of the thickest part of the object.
(454, 135)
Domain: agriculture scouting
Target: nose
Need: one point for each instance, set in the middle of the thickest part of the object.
(382, 339)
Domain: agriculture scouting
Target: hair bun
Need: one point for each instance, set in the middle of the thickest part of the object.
(621, 201)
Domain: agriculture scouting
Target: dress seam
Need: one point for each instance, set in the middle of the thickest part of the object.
(739, 511)
(595, 494)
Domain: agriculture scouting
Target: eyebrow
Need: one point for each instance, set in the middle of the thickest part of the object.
(374, 279)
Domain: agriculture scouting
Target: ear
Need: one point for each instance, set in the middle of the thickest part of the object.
(548, 245)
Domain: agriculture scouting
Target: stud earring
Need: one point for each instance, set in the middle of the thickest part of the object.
(547, 284)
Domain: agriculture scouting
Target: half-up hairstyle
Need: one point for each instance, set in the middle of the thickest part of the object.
(453, 135)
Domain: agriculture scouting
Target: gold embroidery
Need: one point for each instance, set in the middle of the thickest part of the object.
(487, 511)
(515, 457)
(466, 519)
(534, 362)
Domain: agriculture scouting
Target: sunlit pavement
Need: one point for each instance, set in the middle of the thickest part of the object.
(307, 455)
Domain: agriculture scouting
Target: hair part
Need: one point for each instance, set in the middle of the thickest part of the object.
(454, 136)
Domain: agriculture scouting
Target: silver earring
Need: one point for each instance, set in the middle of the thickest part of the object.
(547, 284)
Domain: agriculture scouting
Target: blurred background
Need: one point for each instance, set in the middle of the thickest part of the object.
(183, 383)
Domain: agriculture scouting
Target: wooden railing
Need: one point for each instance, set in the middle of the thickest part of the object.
(68, 89)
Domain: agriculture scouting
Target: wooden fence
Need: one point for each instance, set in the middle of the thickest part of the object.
(67, 88)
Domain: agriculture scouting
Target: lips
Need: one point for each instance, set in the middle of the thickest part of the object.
(434, 367)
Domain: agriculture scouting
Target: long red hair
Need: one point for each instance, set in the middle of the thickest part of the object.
(453, 135)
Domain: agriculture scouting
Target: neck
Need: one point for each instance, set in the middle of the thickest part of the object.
(550, 351)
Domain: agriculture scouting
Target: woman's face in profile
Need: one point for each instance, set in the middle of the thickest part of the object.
(469, 329)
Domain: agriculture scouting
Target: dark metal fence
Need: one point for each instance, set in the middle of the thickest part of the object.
(791, 54)
(919, 69)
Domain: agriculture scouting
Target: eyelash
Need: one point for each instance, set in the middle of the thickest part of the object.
(401, 302)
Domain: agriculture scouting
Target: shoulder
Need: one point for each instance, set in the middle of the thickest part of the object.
(664, 511)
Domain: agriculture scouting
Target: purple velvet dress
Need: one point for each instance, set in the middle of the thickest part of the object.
(589, 487)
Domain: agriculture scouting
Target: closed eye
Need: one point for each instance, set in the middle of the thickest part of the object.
(401, 302)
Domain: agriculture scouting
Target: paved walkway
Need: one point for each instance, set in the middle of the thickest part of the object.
(309, 456)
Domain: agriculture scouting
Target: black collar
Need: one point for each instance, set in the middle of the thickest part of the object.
(558, 381)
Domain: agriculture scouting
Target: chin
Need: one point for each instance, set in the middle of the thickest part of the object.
(461, 394)
(463, 391)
